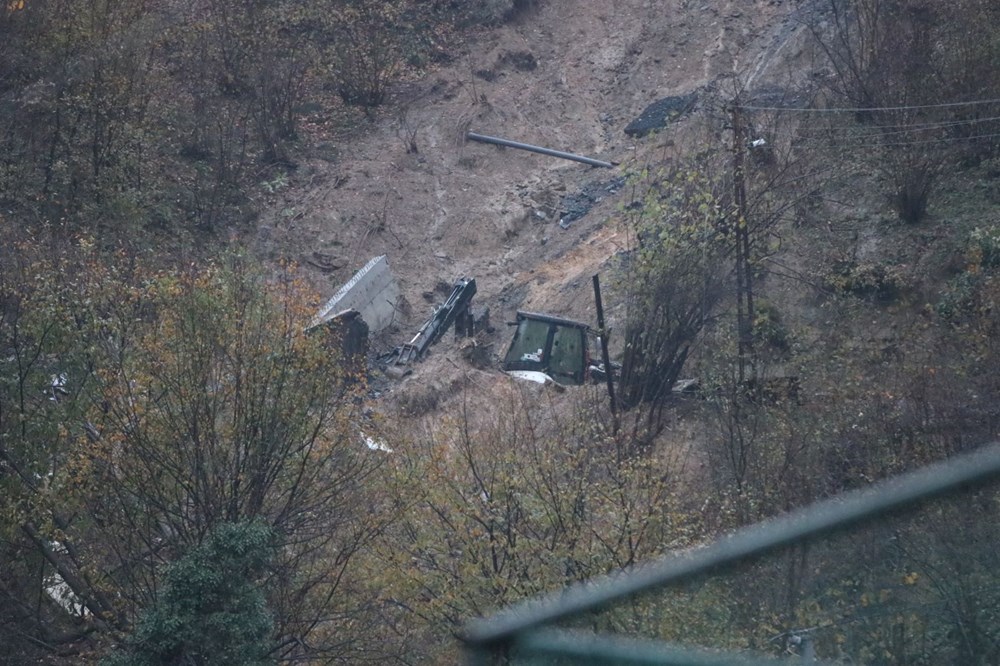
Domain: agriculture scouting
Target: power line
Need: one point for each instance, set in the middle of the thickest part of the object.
(859, 142)
(903, 128)
(942, 140)
(868, 109)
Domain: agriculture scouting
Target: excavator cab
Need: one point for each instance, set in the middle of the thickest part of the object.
(549, 346)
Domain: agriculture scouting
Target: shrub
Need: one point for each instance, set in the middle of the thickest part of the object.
(210, 609)
(768, 328)
(959, 297)
(913, 182)
(368, 51)
(878, 282)
(670, 283)
(986, 247)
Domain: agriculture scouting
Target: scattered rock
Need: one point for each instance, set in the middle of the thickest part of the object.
(776, 96)
(522, 61)
(478, 355)
(325, 262)
(575, 206)
(659, 113)
(326, 151)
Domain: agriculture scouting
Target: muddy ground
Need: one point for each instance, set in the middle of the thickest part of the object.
(570, 75)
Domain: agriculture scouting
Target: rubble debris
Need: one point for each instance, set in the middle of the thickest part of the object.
(686, 387)
(57, 386)
(659, 113)
(327, 263)
(522, 61)
(478, 355)
(597, 373)
(347, 333)
(472, 321)
(397, 371)
(777, 97)
(59, 590)
(574, 206)
(375, 444)
(537, 378)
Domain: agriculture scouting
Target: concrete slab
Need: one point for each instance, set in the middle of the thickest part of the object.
(372, 292)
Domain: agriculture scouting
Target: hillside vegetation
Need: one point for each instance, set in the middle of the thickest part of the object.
(189, 476)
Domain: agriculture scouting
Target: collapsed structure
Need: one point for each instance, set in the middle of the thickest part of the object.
(372, 292)
(544, 348)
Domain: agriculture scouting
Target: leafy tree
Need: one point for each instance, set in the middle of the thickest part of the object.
(503, 504)
(670, 282)
(189, 399)
(210, 609)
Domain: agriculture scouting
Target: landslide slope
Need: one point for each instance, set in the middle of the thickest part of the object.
(569, 75)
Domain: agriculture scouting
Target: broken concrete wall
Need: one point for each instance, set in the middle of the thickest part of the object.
(372, 292)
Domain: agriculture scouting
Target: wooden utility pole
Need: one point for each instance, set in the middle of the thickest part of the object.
(744, 275)
(605, 356)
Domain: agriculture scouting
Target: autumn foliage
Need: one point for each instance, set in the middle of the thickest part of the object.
(143, 408)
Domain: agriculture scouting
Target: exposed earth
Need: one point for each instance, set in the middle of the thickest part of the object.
(567, 75)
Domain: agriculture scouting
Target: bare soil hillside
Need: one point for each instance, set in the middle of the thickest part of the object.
(569, 75)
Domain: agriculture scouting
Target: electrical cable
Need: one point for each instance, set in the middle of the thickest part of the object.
(903, 128)
(858, 142)
(872, 109)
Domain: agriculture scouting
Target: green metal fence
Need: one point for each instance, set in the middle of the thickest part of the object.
(527, 629)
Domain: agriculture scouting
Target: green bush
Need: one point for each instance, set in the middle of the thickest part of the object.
(768, 327)
(959, 297)
(874, 281)
(210, 611)
(986, 246)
